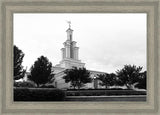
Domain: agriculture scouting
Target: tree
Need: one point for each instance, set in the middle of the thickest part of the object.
(128, 75)
(107, 79)
(18, 59)
(77, 76)
(142, 81)
(41, 71)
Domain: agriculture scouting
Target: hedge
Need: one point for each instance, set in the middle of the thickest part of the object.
(104, 92)
(47, 86)
(97, 89)
(38, 94)
(24, 84)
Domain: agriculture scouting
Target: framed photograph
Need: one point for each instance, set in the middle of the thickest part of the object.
(79, 57)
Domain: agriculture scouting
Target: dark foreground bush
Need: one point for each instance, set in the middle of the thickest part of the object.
(47, 86)
(97, 89)
(24, 84)
(104, 92)
(38, 94)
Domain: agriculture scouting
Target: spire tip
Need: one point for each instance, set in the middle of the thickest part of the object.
(69, 22)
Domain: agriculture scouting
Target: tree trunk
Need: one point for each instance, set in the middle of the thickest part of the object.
(78, 87)
(38, 85)
(128, 86)
(78, 90)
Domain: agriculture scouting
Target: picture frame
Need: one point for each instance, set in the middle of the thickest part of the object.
(9, 7)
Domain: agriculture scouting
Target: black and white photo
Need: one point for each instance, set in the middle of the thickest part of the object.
(80, 56)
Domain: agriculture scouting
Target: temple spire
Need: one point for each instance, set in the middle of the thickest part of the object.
(69, 32)
(70, 51)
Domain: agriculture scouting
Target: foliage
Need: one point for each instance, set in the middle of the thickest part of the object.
(97, 89)
(142, 82)
(47, 86)
(41, 71)
(128, 75)
(104, 92)
(77, 76)
(38, 94)
(18, 59)
(107, 79)
(24, 84)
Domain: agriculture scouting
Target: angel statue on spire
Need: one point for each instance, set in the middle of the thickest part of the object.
(69, 22)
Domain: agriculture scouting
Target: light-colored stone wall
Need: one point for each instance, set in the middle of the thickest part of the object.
(63, 51)
(60, 82)
(76, 52)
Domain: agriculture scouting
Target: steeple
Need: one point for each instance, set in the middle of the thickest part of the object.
(70, 51)
(69, 31)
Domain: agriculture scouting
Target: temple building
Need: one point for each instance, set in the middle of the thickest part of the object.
(70, 59)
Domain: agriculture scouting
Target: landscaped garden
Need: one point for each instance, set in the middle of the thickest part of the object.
(38, 94)
(36, 88)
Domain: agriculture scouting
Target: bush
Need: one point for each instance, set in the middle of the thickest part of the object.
(24, 84)
(38, 94)
(104, 92)
(47, 86)
(97, 89)
(140, 86)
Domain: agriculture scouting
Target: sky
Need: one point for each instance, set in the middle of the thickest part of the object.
(106, 41)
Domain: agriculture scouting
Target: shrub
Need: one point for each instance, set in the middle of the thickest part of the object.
(104, 92)
(97, 89)
(47, 86)
(38, 94)
(24, 84)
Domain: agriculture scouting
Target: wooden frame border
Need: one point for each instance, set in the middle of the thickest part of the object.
(8, 7)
